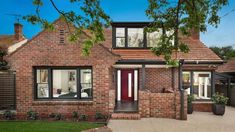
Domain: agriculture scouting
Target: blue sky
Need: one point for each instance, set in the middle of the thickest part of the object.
(118, 10)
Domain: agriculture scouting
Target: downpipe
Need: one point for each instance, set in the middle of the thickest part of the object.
(181, 62)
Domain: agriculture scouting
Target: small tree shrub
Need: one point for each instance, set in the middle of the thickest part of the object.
(219, 99)
(56, 116)
(75, 115)
(9, 115)
(190, 98)
(83, 117)
(32, 115)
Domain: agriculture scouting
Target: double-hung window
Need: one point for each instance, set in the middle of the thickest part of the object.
(63, 83)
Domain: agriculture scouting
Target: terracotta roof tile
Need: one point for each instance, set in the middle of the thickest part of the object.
(227, 67)
(7, 40)
(198, 51)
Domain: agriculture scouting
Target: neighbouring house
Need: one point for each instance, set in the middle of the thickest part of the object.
(121, 77)
(225, 80)
(13, 42)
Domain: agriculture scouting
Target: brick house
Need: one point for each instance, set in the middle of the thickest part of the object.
(120, 76)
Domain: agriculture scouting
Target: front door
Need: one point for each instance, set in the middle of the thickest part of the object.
(127, 85)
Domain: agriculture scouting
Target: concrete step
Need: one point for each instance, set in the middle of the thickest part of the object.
(125, 116)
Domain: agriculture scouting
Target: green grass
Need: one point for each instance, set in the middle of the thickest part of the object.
(45, 126)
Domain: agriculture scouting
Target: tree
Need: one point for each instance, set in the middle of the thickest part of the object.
(171, 17)
(3, 62)
(224, 53)
(90, 17)
(180, 17)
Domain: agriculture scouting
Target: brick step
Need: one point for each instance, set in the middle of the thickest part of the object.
(125, 116)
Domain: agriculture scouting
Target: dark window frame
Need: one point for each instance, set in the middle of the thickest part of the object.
(126, 38)
(192, 80)
(50, 82)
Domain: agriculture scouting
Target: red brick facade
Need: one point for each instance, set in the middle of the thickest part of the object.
(46, 49)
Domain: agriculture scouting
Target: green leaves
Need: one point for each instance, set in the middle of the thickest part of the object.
(181, 17)
(219, 99)
(224, 53)
(90, 18)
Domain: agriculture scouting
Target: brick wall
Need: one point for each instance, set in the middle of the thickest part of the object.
(202, 106)
(161, 105)
(45, 50)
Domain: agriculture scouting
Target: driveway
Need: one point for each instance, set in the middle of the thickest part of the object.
(197, 122)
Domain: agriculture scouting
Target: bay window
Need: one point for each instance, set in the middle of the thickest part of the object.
(198, 83)
(63, 83)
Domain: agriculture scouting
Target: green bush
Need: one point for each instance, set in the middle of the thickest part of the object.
(100, 116)
(32, 115)
(56, 116)
(9, 115)
(219, 99)
(75, 115)
(190, 98)
(83, 117)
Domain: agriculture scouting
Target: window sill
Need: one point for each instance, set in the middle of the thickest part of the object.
(62, 102)
(202, 101)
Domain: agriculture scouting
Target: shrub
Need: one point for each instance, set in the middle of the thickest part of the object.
(83, 117)
(190, 98)
(75, 115)
(56, 116)
(99, 116)
(9, 115)
(219, 99)
(32, 115)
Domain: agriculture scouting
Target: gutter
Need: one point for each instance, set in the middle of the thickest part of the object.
(181, 62)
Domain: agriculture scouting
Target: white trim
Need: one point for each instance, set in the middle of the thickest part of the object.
(129, 84)
(135, 84)
(15, 46)
(119, 85)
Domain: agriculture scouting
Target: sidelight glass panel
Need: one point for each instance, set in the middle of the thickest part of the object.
(42, 83)
(86, 83)
(186, 81)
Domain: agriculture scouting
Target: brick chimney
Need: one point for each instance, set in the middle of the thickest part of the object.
(18, 31)
(195, 34)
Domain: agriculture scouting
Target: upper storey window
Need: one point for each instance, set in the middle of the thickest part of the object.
(135, 37)
(132, 35)
(120, 37)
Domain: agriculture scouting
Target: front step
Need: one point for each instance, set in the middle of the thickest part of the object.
(125, 116)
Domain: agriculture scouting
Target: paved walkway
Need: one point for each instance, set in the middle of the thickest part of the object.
(197, 122)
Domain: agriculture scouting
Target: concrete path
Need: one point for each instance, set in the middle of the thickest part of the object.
(197, 122)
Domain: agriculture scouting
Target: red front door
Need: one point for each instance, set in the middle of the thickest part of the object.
(127, 85)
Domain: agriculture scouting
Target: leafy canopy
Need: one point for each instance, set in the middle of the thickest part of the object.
(224, 53)
(174, 16)
(180, 17)
(90, 17)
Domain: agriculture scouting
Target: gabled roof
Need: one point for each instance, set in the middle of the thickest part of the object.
(227, 67)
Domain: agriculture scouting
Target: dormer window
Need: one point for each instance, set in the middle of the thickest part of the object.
(120, 37)
(132, 35)
(135, 37)
(127, 35)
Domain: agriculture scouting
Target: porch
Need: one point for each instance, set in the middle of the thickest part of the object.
(147, 88)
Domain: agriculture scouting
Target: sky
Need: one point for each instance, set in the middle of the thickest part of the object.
(118, 10)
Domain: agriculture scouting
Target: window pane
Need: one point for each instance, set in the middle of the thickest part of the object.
(202, 85)
(135, 37)
(42, 83)
(86, 83)
(64, 84)
(153, 39)
(120, 32)
(186, 81)
(120, 42)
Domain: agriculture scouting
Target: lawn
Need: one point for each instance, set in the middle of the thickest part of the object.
(44, 126)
